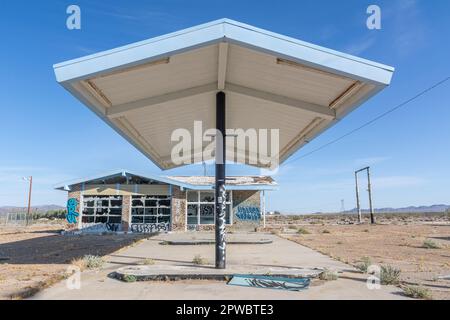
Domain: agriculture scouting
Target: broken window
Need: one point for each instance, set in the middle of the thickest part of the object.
(150, 209)
(102, 209)
(200, 207)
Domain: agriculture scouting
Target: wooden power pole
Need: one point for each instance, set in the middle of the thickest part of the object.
(358, 207)
(29, 200)
(369, 190)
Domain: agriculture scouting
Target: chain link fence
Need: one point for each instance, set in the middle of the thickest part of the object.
(20, 218)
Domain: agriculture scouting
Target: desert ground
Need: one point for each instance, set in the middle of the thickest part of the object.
(400, 240)
(37, 257)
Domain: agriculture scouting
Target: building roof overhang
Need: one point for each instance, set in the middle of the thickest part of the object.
(188, 183)
(148, 89)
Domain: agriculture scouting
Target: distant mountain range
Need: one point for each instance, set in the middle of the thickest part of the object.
(435, 208)
(421, 209)
(43, 208)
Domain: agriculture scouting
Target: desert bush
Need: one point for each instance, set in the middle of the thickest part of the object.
(129, 278)
(326, 231)
(364, 265)
(430, 244)
(148, 262)
(93, 262)
(328, 275)
(88, 262)
(390, 275)
(417, 292)
(198, 259)
(50, 214)
(79, 262)
(303, 231)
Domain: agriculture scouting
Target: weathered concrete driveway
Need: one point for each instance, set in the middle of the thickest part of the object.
(279, 253)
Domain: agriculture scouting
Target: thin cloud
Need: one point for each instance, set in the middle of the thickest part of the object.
(406, 25)
(359, 47)
(370, 161)
(397, 182)
(86, 50)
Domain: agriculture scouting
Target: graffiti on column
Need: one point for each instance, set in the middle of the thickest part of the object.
(248, 213)
(221, 217)
(71, 211)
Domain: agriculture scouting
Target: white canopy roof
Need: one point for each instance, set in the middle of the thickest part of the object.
(148, 89)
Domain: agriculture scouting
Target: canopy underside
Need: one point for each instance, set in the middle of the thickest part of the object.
(147, 101)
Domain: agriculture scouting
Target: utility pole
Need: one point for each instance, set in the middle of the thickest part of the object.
(369, 190)
(30, 178)
(358, 207)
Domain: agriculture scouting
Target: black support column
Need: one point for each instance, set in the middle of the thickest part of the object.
(220, 193)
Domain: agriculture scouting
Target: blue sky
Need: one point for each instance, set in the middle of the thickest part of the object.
(47, 133)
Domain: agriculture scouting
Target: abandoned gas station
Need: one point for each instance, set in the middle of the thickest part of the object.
(227, 75)
(124, 201)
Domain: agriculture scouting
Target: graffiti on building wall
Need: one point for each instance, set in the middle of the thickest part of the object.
(150, 227)
(101, 227)
(248, 213)
(71, 211)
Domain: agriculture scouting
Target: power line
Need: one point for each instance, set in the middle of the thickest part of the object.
(372, 121)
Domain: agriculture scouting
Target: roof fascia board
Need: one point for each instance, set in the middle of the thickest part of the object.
(132, 55)
(105, 175)
(224, 30)
(120, 172)
(310, 55)
(307, 44)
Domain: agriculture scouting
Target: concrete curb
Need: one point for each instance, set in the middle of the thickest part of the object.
(209, 242)
(145, 273)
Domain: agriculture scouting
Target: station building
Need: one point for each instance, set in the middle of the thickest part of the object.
(124, 201)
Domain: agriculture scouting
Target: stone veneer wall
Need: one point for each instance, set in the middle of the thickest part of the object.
(75, 193)
(178, 209)
(126, 212)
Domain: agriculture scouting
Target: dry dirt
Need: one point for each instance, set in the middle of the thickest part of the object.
(35, 257)
(396, 242)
